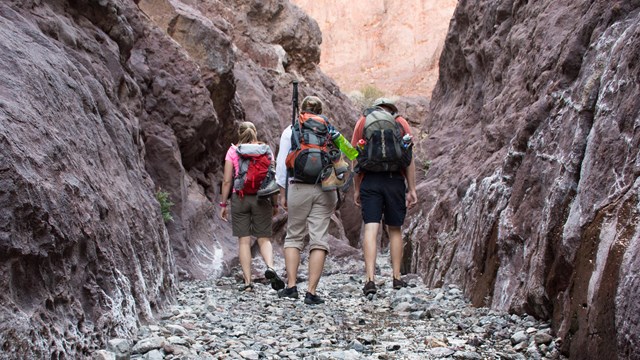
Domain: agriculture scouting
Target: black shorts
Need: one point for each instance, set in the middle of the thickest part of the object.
(383, 193)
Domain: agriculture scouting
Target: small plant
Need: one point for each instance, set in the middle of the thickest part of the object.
(426, 164)
(365, 97)
(371, 93)
(165, 205)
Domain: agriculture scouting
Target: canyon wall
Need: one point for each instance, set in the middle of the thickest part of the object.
(392, 45)
(528, 168)
(530, 172)
(102, 105)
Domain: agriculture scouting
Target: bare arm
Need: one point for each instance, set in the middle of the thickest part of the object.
(412, 197)
(357, 179)
(357, 135)
(281, 168)
(283, 198)
(227, 181)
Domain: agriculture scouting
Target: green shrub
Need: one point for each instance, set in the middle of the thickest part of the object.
(364, 97)
(165, 205)
(426, 165)
(370, 94)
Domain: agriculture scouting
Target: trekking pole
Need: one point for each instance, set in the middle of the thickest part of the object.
(295, 142)
(295, 113)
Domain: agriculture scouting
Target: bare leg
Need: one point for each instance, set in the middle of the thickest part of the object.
(369, 248)
(316, 265)
(266, 250)
(244, 255)
(395, 244)
(291, 262)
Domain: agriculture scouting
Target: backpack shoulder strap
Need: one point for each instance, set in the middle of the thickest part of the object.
(399, 119)
(295, 135)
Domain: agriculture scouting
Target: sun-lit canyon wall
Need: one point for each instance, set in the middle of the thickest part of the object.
(392, 45)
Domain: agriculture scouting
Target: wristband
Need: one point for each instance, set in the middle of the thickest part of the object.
(223, 204)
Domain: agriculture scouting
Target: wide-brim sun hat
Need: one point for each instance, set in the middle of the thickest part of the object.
(386, 102)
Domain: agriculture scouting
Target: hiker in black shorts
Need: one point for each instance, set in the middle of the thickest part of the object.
(385, 169)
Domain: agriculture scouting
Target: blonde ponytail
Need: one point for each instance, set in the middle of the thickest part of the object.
(247, 133)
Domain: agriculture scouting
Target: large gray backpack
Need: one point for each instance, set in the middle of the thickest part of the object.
(384, 149)
(254, 163)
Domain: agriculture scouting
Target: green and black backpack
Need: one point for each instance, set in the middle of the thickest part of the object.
(384, 149)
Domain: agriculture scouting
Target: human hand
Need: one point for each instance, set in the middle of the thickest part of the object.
(224, 214)
(412, 198)
(282, 200)
(274, 211)
(356, 197)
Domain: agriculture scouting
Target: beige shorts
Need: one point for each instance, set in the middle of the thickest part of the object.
(309, 206)
(251, 216)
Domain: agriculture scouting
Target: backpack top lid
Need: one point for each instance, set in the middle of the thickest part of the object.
(379, 118)
(310, 129)
(252, 149)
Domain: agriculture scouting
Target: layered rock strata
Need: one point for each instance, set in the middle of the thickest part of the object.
(531, 170)
(105, 103)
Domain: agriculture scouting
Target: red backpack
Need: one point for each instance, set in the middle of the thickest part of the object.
(254, 161)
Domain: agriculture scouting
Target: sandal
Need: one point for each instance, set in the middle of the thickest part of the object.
(246, 287)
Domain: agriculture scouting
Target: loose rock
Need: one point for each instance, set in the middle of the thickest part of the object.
(213, 320)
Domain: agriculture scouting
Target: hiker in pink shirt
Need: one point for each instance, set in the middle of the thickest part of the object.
(249, 181)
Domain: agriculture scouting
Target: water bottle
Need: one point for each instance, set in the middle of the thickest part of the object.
(406, 141)
(344, 146)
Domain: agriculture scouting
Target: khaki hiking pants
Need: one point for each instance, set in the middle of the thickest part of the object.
(309, 206)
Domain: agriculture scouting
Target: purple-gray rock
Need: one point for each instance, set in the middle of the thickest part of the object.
(530, 201)
(103, 105)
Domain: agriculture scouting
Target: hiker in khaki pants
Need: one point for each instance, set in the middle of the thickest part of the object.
(307, 205)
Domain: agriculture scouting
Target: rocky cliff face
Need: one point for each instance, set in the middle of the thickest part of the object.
(531, 201)
(528, 177)
(102, 104)
(393, 45)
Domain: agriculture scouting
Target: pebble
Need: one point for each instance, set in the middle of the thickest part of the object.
(212, 320)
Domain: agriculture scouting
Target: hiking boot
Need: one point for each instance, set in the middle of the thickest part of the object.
(369, 288)
(311, 299)
(269, 186)
(399, 284)
(246, 287)
(340, 165)
(346, 178)
(291, 293)
(332, 181)
(274, 279)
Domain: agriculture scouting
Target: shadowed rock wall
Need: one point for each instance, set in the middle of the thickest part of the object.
(531, 199)
(83, 250)
(102, 104)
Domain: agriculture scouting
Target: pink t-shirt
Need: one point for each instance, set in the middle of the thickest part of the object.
(232, 156)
